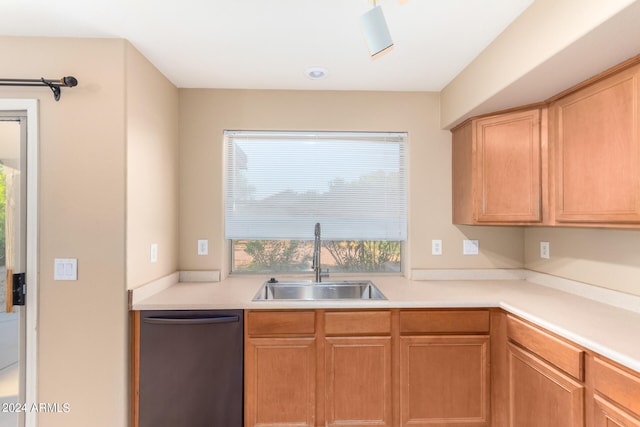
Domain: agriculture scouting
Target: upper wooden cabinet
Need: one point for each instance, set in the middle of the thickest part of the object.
(597, 151)
(497, 169)
(573, 160)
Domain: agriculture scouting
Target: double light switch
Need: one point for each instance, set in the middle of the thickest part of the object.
(65, 269)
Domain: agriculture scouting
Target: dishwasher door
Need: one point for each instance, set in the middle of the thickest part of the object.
(191, 366)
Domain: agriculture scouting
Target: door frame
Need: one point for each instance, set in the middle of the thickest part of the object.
(30, 106)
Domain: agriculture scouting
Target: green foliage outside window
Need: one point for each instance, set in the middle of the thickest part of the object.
(296, 255)
(365, 256)
(276, 255)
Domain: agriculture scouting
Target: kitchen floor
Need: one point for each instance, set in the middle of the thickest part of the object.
(8, 394)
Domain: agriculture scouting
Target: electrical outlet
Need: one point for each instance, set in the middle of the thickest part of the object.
(470, 247)
(544, 250)
(154, 252)
(203, 247)
(436, 247)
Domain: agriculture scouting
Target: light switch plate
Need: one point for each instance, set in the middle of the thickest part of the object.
(153, 255)
(65, 269)
(470, 247)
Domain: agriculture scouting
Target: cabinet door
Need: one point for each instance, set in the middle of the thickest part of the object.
(597, 167)
(462, 178)
(507, 161)
(280, 382)
(608, 415)
(541, 395)
(444, 381)
(616, 394)
(358, 381)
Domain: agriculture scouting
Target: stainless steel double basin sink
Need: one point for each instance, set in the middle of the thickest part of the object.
(321, 291)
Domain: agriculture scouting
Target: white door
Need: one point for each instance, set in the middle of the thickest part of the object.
(17, 327)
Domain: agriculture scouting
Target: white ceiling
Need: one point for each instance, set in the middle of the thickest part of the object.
(267, 44)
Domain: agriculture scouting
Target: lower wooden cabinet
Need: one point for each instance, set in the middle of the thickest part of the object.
(444, 381)
(616, 395)
(426, 368)
(280, 368)
(444, 368)
(318, 368)
(280, 382)
(357, 368)
(358, 381)
(541, 395)
(607, 414)
(545, 378)
(367, 368)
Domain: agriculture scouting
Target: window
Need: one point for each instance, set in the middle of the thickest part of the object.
(279, 184)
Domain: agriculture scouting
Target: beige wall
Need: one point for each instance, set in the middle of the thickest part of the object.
(108, 188)
(606, 258)
(152, 170)
(82, 331)
(205, 114)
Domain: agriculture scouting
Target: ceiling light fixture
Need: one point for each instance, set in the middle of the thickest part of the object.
(316, 73)
(375, 30)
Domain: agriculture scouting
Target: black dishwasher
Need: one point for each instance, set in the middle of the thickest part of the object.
(191, 366)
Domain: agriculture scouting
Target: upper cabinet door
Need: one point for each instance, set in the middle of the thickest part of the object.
(508, 168)
(497, 169)
(597, 152)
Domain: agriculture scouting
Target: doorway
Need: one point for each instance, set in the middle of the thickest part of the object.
(18, 223)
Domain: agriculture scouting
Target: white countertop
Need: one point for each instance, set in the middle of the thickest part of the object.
(610, 331)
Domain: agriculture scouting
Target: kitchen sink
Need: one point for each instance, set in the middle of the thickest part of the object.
(310, 291)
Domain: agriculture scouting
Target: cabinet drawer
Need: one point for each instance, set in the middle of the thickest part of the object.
(273, 323)
(616, 384)
(445, 321)
(565, 356)
(357, 323)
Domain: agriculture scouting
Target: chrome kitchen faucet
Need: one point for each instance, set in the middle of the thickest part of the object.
(317, 247)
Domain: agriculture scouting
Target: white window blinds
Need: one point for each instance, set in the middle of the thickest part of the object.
(279, 184)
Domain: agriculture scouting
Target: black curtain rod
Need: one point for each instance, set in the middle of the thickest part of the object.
(54, 85)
